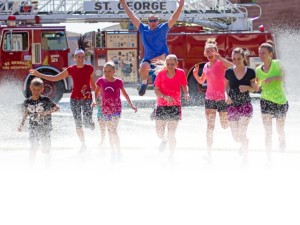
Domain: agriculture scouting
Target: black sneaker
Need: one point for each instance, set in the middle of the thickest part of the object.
(142, 89)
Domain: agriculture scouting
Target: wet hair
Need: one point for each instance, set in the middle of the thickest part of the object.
(82, 44)
(210, 43)
(38, 82)
(241, 52)
(110, 64)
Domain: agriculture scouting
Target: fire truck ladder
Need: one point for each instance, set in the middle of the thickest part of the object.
(215, 14)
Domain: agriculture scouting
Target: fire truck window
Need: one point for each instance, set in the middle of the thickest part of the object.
(54, 41)
(15, 41)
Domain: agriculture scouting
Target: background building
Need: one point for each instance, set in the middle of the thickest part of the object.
(275, 13)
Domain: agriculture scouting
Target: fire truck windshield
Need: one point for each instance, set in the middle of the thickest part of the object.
(16, 41)
(54, 41)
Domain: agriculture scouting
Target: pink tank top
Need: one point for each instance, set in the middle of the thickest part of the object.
(215, 78)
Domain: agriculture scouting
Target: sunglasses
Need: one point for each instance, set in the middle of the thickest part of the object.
(152, 21)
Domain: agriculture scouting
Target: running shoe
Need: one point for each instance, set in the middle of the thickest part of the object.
(142, 89)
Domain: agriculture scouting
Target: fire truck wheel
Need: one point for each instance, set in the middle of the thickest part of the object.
(53, 90)
(197, 91)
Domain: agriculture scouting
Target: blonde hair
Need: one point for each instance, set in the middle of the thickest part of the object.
(37, 82)
(162, 65)
(210, 43)
(110, 64)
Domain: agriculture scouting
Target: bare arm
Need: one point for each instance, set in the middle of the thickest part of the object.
(176, 14)
(124, 93)
(225, 62)
(135, 20)
(200, 79)
(253, 86)
(186, 93)
(228, 99)
(25, 114)
(270, 79)
(93, 84)
(161, 95)
(62, 75)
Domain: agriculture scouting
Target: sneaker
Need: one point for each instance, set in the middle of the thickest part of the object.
(142, 89)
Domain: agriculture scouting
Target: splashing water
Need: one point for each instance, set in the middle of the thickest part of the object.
(288, 47)
(146, 187)
(10, 117)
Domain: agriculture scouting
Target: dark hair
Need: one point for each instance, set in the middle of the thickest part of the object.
(268, 45)
(37, 82)
(82, 43)
(242, 53)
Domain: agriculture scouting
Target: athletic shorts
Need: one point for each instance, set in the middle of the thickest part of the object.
(220, 106)
(276, 110)
(82, 113)
(39, 136)
(109, 117)
(152, 70)
(236, 112)
(168, 113)
(99, 113)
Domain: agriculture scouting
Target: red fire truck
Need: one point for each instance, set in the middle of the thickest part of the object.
(26, 47)
(46, 49)
(186, 42)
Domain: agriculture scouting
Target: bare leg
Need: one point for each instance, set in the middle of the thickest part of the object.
(243, 126)
(267, 122)
(144, 71)
(224, 120)
(234, 126)
(160, 131)
(114, 140)
(172, 126)
(80, 134)
(210, 117)
(280, 122)
(102, 131)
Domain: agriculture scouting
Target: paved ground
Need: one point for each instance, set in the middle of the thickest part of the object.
(144, 186)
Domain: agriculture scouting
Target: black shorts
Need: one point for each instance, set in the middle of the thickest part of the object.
(220, 105)
(168, 113)
(276, 110)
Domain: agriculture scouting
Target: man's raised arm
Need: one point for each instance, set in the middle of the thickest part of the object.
(176, 14)
(135, 20)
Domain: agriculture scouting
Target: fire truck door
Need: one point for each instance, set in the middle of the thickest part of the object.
(16, 50)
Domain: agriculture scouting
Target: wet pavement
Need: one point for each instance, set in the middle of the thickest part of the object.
(143, 185)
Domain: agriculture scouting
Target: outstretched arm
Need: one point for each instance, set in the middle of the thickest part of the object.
(124, 93)
(57, 77)
(25, 114)
(135, 20)
(200, 79)
(176, 14)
